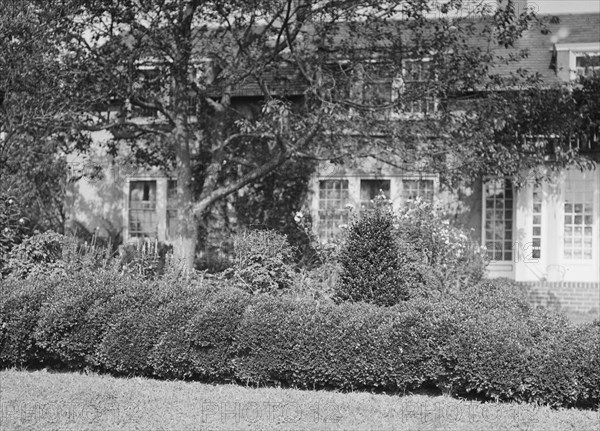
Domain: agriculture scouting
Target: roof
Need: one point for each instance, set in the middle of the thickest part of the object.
(572, 29)
(562, 29)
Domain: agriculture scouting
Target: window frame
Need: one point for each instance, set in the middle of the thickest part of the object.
(128, 209)
(484, 239)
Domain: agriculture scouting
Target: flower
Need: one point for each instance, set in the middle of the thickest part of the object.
(21, 220)
(349, 207)
(298, 217)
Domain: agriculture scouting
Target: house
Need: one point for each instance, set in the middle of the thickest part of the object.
(546, 236)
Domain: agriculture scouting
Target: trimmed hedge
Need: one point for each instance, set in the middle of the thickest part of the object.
(20, 304)
(484, 342)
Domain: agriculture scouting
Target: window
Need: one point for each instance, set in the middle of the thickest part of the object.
(370, 189)
(498, 219)
(418, 96)
(417, 188)
(578, 218)
(142, 209)
(587, 64)
(333, 197)
(172, 223)
(536, 232)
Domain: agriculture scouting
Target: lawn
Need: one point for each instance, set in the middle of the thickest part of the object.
(41, 400)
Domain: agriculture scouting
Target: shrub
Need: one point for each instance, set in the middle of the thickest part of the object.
(145, 257)
(20, 303)
(370, 266)
(481, 341)
(13, 227)
(263, 261)
(76, 316)
(134, 328)
(40, 254)
(198, 333)
(436, 257)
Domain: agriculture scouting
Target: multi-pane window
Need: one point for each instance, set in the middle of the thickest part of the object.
(172, 223)
(333, 198)
(370, 189)
(536, 229)
(418, 96)
(578, 219)
(413, 189)
(498, 219)
(142, 209)
(587, 64)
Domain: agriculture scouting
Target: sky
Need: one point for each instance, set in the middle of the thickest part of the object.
(566, 6)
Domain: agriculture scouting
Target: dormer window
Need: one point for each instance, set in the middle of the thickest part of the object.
(572, 60)
(587, 64)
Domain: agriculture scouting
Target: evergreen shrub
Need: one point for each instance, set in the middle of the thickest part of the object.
(20, 304)
(483, 341)
(370, 266)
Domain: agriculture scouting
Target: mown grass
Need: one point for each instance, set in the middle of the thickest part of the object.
(41, 400)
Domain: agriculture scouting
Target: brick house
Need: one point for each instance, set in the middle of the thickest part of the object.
(546, 236)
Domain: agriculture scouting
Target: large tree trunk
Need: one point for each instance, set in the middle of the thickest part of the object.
(185, 246)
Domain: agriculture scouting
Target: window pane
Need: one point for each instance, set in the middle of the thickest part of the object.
(142, 209)
(333, 196)
(498, 219)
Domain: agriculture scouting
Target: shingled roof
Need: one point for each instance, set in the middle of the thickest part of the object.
(562, 29)
(571, 29)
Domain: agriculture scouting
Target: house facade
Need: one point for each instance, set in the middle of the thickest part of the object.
(546, 236)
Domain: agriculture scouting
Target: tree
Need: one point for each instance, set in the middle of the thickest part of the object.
(37, 110)
(317, 71)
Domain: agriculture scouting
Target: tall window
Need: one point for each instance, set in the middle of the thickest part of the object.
(142, 209)
(333, 197)
(171, 209)
(498, 219)
(419, 99)
(536, 230)
(413, 189)
(579, 218)
(370, 189)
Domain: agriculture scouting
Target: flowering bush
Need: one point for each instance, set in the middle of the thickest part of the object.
(13, 226)
(40, 254)
(436, 256)
(262, 261)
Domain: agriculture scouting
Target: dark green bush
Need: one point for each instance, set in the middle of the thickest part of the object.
(370, 264)
(20, 304)
(347, 346)
(76, 316)
(134, 328)
(197, 335)
(483, 340)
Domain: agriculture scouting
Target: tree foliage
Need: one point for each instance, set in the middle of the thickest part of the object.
(236, 89)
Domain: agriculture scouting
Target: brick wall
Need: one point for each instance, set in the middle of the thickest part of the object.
(569, 296)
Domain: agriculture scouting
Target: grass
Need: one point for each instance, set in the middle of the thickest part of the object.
(40, 400)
